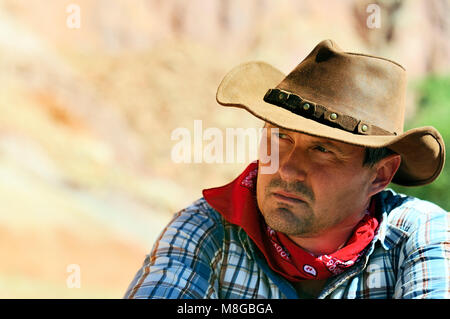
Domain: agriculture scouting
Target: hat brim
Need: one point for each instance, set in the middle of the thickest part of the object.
(422, 149)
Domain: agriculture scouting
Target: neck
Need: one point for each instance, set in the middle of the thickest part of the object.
(331, 239)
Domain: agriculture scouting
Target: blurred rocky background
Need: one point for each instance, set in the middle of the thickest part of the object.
(87, 108)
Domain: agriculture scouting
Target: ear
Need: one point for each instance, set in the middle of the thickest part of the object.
(384, 171)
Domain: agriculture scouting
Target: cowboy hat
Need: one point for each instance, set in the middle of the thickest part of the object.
(349, 97)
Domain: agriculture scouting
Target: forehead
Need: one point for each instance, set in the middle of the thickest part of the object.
(344, 147)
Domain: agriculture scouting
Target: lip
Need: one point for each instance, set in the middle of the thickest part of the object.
(288, 197)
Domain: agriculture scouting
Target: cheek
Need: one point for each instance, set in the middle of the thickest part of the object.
(336, 187)
(261, 183)
(260, 190)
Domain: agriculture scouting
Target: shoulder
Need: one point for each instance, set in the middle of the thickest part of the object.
(419, 231)
(201, 210)
(412, 215)
(180, 264)
(198, 219)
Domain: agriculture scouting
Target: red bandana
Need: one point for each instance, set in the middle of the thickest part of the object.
(237, 203)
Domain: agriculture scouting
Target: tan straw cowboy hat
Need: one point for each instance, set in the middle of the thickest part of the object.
(349, 97)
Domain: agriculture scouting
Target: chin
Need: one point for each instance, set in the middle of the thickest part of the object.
(284, 220)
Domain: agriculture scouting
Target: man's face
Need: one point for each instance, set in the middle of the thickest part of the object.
(319, 185)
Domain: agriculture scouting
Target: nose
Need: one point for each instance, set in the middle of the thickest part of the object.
(293, 165)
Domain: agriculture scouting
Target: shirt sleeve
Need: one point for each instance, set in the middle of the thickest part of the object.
(424, 271)
(182, 262)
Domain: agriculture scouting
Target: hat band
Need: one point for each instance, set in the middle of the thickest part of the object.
(321, 114)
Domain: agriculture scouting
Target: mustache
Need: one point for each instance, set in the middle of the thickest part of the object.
(298, 188)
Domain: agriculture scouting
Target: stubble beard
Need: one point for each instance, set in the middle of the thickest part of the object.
(289, 220)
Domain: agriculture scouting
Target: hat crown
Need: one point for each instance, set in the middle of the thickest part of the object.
(368, 88)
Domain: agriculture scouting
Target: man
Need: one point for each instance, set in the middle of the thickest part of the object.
(322, 224)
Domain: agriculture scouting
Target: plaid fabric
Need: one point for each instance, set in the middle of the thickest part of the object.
(200, 255)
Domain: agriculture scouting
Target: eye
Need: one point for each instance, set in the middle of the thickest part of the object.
(280, 135)
(321, 149)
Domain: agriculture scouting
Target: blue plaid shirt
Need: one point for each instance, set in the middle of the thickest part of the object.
(200, 255)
